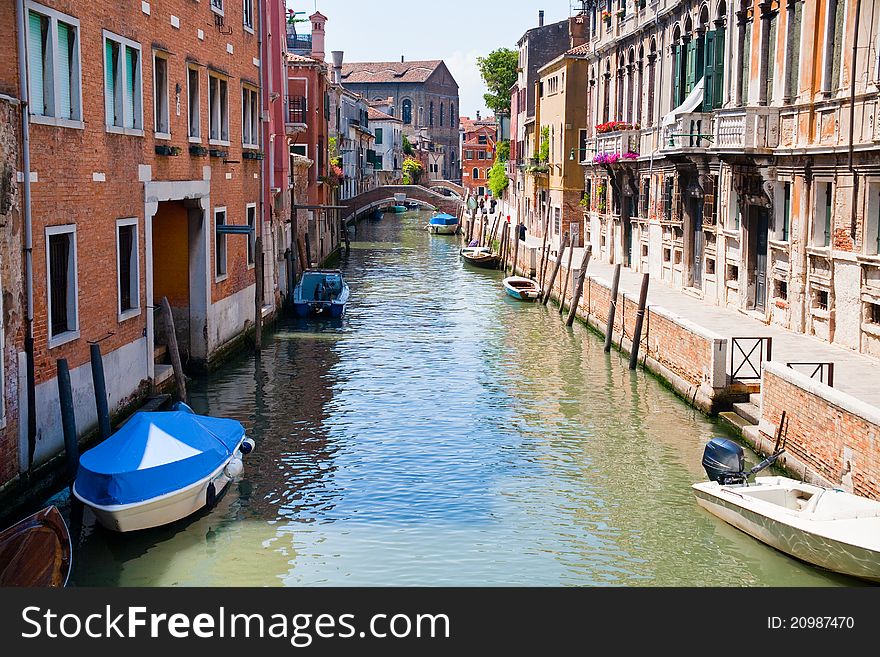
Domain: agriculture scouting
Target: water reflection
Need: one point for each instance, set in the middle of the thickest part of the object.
(444, 434)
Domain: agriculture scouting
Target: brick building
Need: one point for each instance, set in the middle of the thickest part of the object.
(477, 152)
(144, 141)
(425, 96)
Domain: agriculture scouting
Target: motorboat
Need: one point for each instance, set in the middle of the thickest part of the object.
(521, 288)
(442, 224)
(395, 208)
(160, 467)
(321, 293)
(826, 527)
(480, 256)
(36, 551)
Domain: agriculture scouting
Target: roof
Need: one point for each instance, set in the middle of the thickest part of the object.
(375, 115)
(418, 71)
(583, 49)
(291, 57)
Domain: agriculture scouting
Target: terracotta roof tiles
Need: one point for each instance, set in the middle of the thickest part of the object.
(417, 71)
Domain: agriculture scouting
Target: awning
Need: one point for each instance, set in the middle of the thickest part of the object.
(690, 104)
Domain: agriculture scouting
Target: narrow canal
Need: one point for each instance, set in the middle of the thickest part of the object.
(444, 434)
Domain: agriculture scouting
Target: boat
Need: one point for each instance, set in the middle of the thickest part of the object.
(320, 292)
(442, 224)
(395, 208)
(36, 551)
(376, 215)
(519, 287)
(159, 467)
(480, 256)
(826, 527)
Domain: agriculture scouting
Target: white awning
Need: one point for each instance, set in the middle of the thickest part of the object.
(693, 100)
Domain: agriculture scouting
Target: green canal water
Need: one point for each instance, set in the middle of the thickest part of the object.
(445, 434)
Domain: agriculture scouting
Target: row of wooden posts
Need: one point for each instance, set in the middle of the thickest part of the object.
(547, 285)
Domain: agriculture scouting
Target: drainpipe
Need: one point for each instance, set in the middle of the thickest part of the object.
(28, 232)
(852, 121)
(265, 75)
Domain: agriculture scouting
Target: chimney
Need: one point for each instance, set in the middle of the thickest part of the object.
(337, 66)
(478, 115)
(577, 30)
(401, 59)
(318, 21)
(541, 18)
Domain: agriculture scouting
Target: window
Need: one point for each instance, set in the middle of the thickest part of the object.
(217, 6)
(128, 280)
(583, 140)
(780, 289)
(481, 139)
(820, 299)
(431, 114)
(218, 110)
(219, 244)
(250, 117)
(122, 84)
(733, 273)
(469, 155)
(160, 96)
(557, 220)
(247, 15)
(195, 117)
(62, 280)
(53, 65)
(822, 217)
(833, 44)
(481, 191)
(872, 220)
(442, 108)
(786, 211)
(872, 313)
(794, 49)
(299, 149)
(379, 135)
(476, 173)
(481, 155)
(406, 111)
(251, 213)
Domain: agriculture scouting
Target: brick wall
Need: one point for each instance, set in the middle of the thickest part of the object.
(828, 431)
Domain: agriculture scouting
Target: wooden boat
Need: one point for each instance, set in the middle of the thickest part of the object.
(395, 208)
(826, 527)
(36, 551)
(524, 289)
(320, 293)
(480, 256)
(160, 467)
(442, 224)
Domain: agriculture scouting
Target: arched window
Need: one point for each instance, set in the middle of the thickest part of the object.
(452, 118)
(476, 173)
(431, 114)
(442, 107)
(406, 111)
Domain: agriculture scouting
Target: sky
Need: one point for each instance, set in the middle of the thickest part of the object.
(456, 31)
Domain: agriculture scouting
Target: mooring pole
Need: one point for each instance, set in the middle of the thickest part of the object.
(640, 316)
(308, 252)
(303, 257)
(609, 328)
(564, 288)
(100, 390)
(579, 288)
(258, 294)
(68, 418)
(549, 289)
(541, 266)
(173, 350)
(515, 251)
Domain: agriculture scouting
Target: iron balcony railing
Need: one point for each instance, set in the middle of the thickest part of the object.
(296, 109)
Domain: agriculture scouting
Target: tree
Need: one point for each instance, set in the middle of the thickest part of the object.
(412, 171)
(408, 147)
(499, 73)
(502, 153)
(498, 179)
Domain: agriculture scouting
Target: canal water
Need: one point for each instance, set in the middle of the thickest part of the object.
(442, 433)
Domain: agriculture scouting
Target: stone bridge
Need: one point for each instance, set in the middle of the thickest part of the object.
(446, 184)
(383, 196)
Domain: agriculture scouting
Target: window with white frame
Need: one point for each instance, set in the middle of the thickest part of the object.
(824, 197)
(248, 14)
(160, 96)
(122, 84)
(193, 107)
(218, 109)
(251, 213)
(250, 117)
(872, 220)
(61, 278)
(217, 6)
(53, 56)
(299, 149)
(127, 268)
(219, 243)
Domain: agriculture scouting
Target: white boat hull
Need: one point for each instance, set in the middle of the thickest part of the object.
(437, 229)
(838, 538)
(163, 509)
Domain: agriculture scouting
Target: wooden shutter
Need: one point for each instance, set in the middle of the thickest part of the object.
(676, 75)
(709, 73)
(130, 73)
(110, 82)
(66, 35)
(36, 45)
(690, 73)
(718, 93)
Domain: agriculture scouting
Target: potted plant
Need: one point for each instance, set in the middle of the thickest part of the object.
(217, 152)
(200, 151)
(167, 149)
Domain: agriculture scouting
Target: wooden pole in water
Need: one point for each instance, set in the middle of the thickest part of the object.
(579, 288)
(515, 251)
(173, 351)
(344, 228)
(541, 266)
(100, 387)
(68, 418)
(308, 252)
(609, 328)
(303, 258)
(258, 294)
(564, 288)
(503, 248)
(640, 316)
(549, 289)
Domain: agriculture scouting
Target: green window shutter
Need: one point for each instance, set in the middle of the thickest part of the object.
(66, 36)
(690, 73)
(709, 73)
(676, 77)
(130, 73)
(35, 64)
(718, 94)
(110, 83)
(378, 136)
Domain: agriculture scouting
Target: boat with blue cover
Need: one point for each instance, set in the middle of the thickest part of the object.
(442, 224)
(320, 293)
(160, 467)
(521, 288)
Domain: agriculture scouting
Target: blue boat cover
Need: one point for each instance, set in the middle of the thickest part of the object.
(444, 220)
(156, 453)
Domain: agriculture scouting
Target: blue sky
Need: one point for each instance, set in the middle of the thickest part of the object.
(456, 31)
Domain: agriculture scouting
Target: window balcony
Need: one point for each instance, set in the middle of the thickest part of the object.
(746, 129)
(617, 143)
(691, 132)
(297, 113)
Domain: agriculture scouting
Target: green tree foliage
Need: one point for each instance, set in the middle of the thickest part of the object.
(502, 153)
(544, 150)
(499, 73)
(498, 179)
(412, 171)
(408, 147)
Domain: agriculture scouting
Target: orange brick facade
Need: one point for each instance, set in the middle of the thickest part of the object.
(477, 154)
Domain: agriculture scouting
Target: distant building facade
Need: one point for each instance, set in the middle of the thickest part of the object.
(477, 153)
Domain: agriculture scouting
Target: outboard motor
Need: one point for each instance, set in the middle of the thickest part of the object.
(724, 462)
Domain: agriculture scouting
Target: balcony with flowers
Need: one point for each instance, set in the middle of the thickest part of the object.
(617, 137)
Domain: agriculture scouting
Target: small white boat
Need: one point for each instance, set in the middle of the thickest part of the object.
(160, 467)
(442, 224)
(826, 527)
(521, 288)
